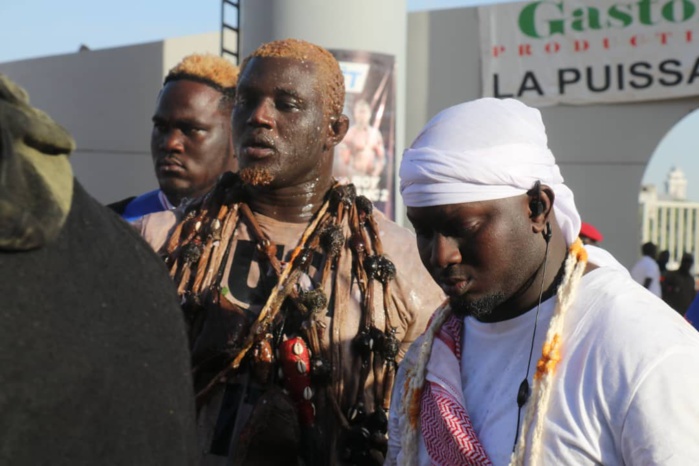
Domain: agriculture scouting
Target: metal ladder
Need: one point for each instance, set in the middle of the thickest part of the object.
(230, 30)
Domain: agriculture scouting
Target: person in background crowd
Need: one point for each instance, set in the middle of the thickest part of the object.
(646, 270)
(663, 259)
(590, 235)
(692, 314)
(191, 139)
(679, 286)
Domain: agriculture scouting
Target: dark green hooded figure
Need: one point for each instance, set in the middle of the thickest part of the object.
(94, 367)
(36, 180)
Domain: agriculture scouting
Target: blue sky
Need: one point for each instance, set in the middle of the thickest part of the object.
(677, 149)
(36, 28)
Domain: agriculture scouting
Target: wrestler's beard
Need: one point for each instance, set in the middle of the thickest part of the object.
(479, 308)
(256, 176)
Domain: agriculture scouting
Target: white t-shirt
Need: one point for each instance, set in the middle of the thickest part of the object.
(646, 267)
(626, 391)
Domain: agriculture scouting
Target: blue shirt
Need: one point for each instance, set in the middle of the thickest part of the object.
(153, 201)
(692, 314)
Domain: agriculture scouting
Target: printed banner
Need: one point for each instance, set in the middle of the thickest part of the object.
(590, 51)
(367, 153)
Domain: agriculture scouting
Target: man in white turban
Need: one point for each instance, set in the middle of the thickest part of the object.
(547, 352)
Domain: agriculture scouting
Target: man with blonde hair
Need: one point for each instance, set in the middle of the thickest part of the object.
(548, 352)
(300, 298)
(191, 139)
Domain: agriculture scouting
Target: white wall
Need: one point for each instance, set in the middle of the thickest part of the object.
(106, 98)
(103, 98)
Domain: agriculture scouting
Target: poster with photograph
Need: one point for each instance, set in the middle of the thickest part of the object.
(366, 156)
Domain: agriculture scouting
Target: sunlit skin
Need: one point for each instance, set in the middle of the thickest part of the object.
(488, 256)
(281, 127)
(191, 139)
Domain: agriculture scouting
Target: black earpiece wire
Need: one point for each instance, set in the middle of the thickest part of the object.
(524, 390)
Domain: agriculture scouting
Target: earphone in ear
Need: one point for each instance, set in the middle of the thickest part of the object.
(548, 233)
(537, 208)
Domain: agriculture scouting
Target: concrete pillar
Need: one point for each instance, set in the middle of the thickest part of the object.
(681, 212)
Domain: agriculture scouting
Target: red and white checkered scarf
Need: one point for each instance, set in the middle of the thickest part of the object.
(446, 427)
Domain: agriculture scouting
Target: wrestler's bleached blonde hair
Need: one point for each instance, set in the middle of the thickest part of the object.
(212, 70)
(331, 79)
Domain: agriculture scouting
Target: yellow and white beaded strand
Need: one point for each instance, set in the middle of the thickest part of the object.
(541, 393)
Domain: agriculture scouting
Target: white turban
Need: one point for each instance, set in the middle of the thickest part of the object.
(484, 150)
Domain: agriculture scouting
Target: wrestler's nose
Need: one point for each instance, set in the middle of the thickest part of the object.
(262, 114)
(445, 251)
